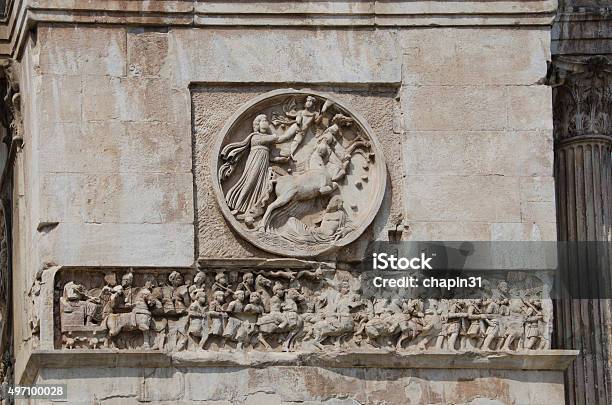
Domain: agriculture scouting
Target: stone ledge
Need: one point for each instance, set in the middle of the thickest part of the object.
(431, 359)
(282, 14)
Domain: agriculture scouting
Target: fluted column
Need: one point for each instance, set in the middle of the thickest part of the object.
(583, 171)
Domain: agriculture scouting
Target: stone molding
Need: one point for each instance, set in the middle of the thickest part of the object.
(23, 14)
(541, 360)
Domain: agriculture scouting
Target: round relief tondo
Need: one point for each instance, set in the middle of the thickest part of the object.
(298, 173)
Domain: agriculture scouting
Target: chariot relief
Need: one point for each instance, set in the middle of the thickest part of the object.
(298, 173)
(271, 310)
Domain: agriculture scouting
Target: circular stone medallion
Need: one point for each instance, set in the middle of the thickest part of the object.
(298, 173)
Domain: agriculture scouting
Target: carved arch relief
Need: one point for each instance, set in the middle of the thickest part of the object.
(298, 173)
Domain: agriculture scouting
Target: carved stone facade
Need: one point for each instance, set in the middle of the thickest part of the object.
(199, 180)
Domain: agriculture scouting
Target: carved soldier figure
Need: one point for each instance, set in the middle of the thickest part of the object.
(221, 284)
(338, 320)
(533, 332)
(513, 323)
(493, 329)
(237, 305)
(247, 285)
(454, 325)
(276, 306)
(217, 314)
(198, 285)
(198, 327)
(290, 307)
(476, 326)
(116, 301)
(255, 305)
(127, 282)
(163, 292)
(180, 293)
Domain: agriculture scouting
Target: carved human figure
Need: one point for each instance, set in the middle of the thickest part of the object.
(383, 324)
(534, 316)
(164, 293)
(116, 301)
(233, 326)
(217, 314)
(237, 305)
(454, 324)
(329, 226)
(247, 285)
(492, 321)
(127, 283)
(305, 120)
(138, 319)
(198, 327)
(199, 285)
(221, 284)
(338, 321)
(75, 299)
(476, 326)
(275, 314)
(262, 286)
(317, 180)
(411, 322)
(513, 323)
(180, 293)
(433, 325)
(246, 198)
(255, 305)
(310, 318)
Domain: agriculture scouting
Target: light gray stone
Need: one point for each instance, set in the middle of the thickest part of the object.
(69, 50)
(117, 245)
(117, 198)
(477, 153)
(529, 108)
(452, 108)
(524, 231)
(462, 198)
(272, 56)
(116, 147)
(472, 56)
(538, 189)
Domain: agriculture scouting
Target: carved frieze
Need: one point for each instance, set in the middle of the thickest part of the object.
(298, 173)
(271, 309)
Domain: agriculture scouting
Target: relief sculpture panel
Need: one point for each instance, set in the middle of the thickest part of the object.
(305, 309)
(298, 173)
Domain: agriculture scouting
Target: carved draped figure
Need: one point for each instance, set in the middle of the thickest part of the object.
(249, 192)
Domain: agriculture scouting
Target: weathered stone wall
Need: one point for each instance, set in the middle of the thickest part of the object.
(110, 170)
(307, 385)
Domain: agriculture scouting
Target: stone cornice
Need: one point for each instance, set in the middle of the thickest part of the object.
(540, 360)
(23, 14)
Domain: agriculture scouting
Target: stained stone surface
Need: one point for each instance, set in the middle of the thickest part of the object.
(121, 111)
(309, 385)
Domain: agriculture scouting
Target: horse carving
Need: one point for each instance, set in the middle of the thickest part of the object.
(138, 319)
(283, 318)
(314, 182)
